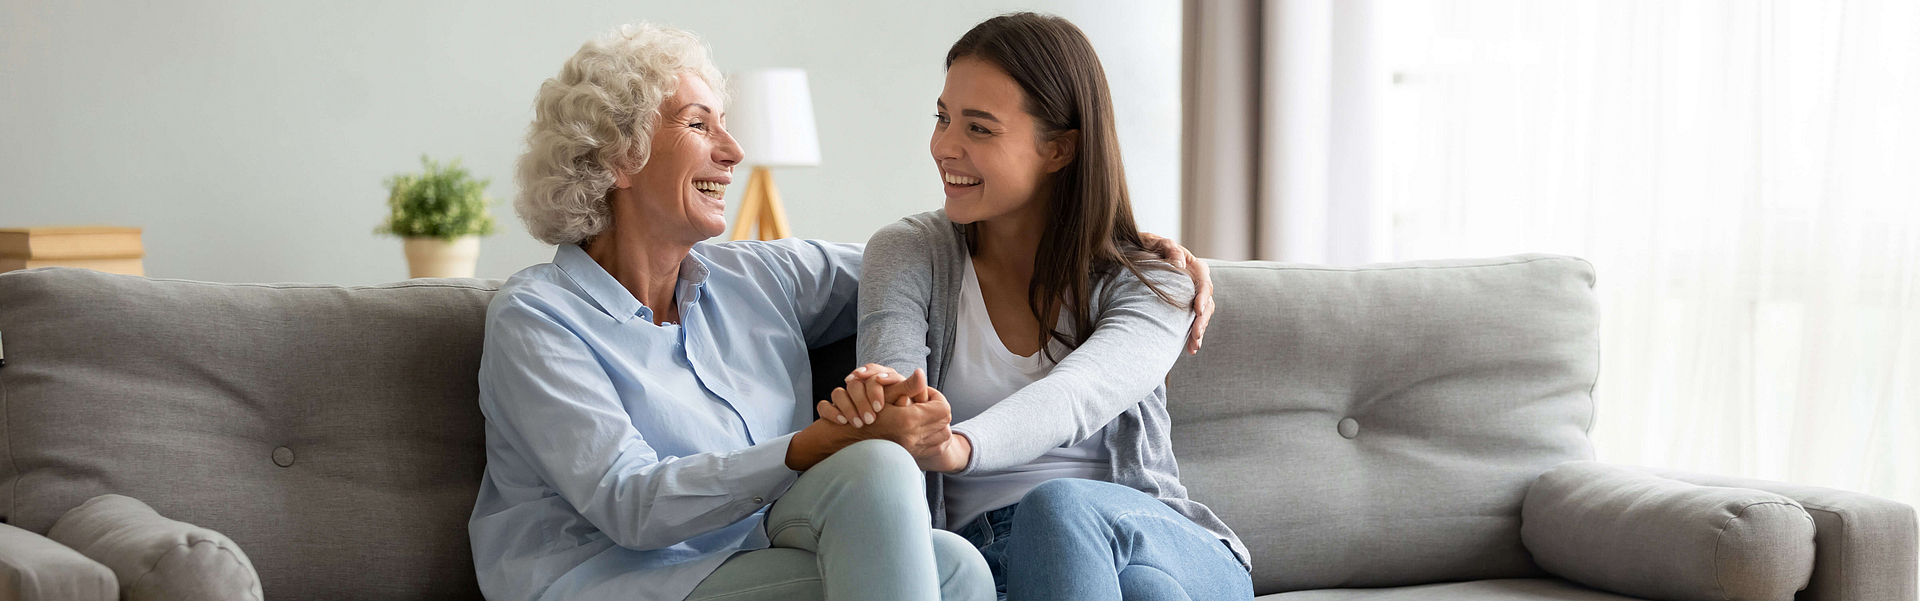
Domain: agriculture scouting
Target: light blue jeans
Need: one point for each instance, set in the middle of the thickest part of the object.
(854, 527)
(1085, 539)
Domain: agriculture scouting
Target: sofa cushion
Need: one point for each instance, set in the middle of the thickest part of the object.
(332, 432)
(1378, 426)
(154, 558)
(1626, 530)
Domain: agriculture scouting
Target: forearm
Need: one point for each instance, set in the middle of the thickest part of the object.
(665, 502)
(821, 439)
(952, 457)
(815, 443)
(1120, 365)
(1042, 416)
(895, 285)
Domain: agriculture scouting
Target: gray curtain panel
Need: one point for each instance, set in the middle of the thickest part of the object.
(1221, 113)
(1277, 162)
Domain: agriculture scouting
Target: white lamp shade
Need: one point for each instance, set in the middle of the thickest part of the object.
(772, 118)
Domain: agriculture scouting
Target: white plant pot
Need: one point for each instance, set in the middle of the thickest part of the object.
(437, 258)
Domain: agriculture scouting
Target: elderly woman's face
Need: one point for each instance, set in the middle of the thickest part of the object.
(680, 191)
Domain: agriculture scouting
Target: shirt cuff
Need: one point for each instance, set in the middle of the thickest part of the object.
(761, 473)
(973, 457)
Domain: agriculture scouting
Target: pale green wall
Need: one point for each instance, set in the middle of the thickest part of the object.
(249, 138)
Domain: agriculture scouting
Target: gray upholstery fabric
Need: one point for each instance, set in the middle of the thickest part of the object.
(157, 559)
(332, 432)
(1484, 590)
(1632, 532)
(1865, 547)
(1463, 380)
(34, 568)
(1375, 426)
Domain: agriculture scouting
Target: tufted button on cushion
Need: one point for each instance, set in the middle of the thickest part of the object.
(1349, 427)
(283, 457)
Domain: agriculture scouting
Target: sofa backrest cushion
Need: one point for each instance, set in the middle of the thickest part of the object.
(331, 432)
(1379, 425)
(1372, 426)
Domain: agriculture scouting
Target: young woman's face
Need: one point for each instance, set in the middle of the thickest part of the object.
(986, 145)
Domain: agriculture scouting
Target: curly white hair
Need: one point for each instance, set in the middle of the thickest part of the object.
(596, 119)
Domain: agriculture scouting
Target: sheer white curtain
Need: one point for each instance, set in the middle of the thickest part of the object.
(1745, 177)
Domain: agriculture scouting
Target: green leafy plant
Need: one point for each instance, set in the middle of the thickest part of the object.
(443, 202)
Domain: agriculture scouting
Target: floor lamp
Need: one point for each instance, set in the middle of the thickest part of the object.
(772, 119)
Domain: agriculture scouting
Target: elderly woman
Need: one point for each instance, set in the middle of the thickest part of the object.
(648, 430)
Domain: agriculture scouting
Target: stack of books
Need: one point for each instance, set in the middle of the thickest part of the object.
(108, 249)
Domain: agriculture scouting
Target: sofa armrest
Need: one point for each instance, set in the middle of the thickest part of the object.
(1866, 547)
(1626, 531)
(160, 558)
(34, 568)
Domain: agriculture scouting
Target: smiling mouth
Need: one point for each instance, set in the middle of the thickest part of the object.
(960, 180)
(712, 189)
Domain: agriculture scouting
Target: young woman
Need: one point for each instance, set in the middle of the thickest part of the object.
(1037, 315)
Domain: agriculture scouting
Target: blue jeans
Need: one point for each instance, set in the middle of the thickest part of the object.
(1085, 539)
(854, 527)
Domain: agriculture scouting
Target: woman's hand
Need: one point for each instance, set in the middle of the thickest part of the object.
(947, 452)
(919, 427)
(950, 457)
(1202, 284)
(922, 428)
(869, 390)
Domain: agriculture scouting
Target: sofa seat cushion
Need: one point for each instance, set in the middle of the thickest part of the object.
(1545, 589)
(1378, 425)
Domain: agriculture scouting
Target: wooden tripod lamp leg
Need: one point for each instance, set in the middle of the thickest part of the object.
(775, 215)
(752, 203)
(761, 215)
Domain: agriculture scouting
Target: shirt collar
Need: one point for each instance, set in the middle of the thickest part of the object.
(614, 298)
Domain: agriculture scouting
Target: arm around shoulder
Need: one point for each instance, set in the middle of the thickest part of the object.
(821, 277)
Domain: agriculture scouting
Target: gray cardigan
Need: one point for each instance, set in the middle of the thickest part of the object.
(909, 291)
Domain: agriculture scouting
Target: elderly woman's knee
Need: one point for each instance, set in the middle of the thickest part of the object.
(961, 565)
(873, 460)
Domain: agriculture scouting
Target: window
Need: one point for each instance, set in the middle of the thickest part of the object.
(1745, 177)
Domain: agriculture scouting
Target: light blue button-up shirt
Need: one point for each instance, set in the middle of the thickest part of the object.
(626, 460)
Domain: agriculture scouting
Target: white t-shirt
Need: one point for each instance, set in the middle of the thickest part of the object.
(982, 372)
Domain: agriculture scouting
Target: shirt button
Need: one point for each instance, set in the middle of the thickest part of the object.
(759, 501)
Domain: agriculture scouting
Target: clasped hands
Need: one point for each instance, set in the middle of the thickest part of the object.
(878, 402)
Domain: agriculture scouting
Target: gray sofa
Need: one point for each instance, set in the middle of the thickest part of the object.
(1396, 431)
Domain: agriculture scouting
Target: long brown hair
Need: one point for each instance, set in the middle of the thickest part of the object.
(1090, 231)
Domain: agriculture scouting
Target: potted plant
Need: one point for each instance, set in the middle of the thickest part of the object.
(441, 213)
